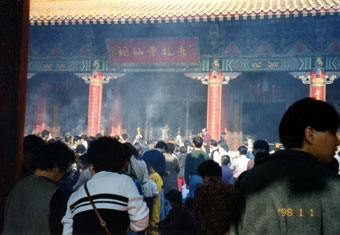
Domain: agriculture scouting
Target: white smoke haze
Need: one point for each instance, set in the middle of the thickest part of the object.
(152, 100)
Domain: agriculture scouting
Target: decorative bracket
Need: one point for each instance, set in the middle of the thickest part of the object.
(226, 77)
(204, 77)
(106, 77)
(305, 76)
(85, 76)
(30, 75)
(111, 76)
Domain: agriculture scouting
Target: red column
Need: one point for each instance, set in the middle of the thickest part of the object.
(317, 84)
(95, 103)
(214, 104)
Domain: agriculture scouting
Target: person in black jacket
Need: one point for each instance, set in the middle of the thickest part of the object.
(293, 192)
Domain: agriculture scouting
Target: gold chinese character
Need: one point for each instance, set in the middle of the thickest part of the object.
(273, 64)
(167, 51)
(152, 51)
(96, 65)
(181, 52)
(123, 51)
(137, 51)
(256, 65)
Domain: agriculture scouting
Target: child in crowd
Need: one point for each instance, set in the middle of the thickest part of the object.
(156, 208)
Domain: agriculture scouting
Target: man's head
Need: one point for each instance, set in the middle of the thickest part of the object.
(45, 134)
(171, 148)
(125, 137)
(225, 160)
(174, 197)
(182, 150)
(83, 136)
(198, 141)
(261, 150)
(54, 158)
(77, 140)
(208, 169)
(80, 149)
(204, 131)
(162, 146)
(32, 145)
(311, 126)
(242, 150)
(261, 146)
(213, 143)
(107, 154)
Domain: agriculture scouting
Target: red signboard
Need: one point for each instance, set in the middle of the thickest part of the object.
(318, 85)
(153, 51)
(214, 104)
(95, 104)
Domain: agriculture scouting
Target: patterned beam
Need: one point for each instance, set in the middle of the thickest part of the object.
(247, 64)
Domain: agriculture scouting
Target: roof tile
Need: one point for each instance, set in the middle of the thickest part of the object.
(160, 10)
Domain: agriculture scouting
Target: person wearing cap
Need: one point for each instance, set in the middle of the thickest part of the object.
(179, 221)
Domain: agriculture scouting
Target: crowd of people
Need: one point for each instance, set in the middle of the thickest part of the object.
(111, 185)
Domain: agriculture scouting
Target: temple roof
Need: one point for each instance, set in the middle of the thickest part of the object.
(44, 12)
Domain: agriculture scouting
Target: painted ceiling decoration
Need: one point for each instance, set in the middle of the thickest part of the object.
(71, 12)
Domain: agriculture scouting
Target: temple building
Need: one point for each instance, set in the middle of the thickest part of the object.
(160, 68)
(235, 66)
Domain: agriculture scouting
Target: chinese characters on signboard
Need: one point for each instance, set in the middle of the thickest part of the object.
(153, 51)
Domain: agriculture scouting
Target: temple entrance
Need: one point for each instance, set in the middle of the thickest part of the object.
(145, 102)
(261, 121)
(256, 103)
(158, 104)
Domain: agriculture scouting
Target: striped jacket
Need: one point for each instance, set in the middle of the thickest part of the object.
(118, 201)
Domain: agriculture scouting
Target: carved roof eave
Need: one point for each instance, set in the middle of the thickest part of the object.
(62, 12)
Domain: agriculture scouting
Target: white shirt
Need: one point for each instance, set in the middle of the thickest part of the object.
(103, 184)
(239, 165)
(215, 155)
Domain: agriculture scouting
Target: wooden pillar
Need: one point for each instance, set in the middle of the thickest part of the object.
(318, 84)
(13, 66)
(214, 104)
(95, 103)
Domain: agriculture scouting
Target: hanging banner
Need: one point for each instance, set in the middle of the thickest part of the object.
(95, 103)
(214, 104)
(153, 50)
(318, 85)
